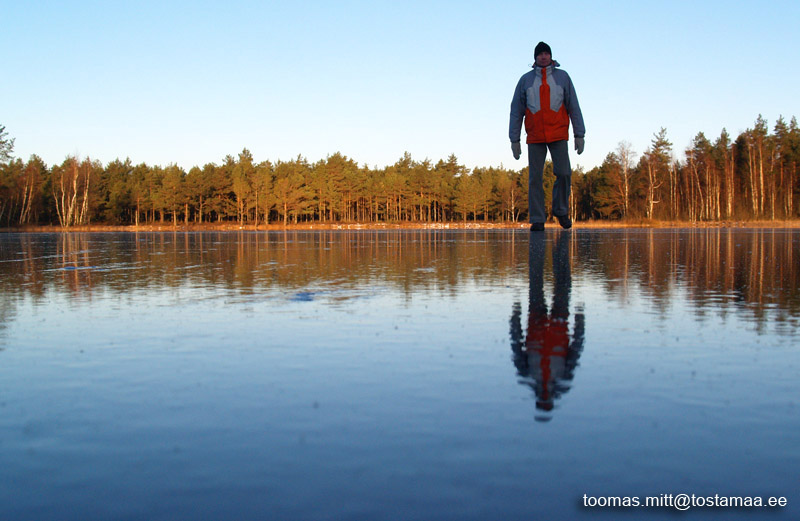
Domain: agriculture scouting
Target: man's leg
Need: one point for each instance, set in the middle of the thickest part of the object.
(559, 151)
(537, 152)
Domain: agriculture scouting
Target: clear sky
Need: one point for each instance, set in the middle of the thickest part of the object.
(190, 82)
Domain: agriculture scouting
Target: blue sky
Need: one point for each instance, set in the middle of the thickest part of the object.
(190, 82)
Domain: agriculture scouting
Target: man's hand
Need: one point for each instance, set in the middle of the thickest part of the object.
(516, 149)
(579, 145)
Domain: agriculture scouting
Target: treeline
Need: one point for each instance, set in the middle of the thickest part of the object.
(751, 177)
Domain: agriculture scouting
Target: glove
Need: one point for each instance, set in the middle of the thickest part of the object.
(579, 145)
(516, 149)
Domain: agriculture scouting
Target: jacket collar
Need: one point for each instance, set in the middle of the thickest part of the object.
(549, 68)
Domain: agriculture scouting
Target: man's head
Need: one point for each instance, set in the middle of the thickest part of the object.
(542, 54)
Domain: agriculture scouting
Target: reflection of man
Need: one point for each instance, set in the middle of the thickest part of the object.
(546, 100)
(546, 356)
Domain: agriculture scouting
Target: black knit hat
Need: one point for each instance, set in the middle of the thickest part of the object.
(540, 48)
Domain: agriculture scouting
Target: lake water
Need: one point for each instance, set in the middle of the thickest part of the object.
(398, 374)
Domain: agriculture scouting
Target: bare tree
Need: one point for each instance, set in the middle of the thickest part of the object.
(626, 155)
(70, 181)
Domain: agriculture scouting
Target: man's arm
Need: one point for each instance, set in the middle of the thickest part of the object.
(574, 109)
(517, 113)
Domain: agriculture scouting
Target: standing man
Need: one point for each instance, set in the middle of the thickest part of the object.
(546, 100)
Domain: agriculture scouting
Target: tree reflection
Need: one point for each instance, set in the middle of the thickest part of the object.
(749, 274)
(546, 354)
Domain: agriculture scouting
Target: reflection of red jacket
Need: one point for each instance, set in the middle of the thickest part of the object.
(547, 338)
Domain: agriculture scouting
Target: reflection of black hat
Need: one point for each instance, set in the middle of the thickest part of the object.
(540, 48)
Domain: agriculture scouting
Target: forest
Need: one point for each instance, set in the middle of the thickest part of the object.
(750, 177)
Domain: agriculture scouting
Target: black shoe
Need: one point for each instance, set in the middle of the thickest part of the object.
(537, 227)
(564, 221)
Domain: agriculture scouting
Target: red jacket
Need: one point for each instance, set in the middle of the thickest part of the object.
(545, 98)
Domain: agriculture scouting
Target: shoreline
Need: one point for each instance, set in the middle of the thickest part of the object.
(394, 226)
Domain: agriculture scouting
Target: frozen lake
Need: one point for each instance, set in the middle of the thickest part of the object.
(469, 375)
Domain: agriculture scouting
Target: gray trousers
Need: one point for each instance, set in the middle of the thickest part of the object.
(559, 152)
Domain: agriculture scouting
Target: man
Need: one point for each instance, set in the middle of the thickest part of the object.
(546, 100)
